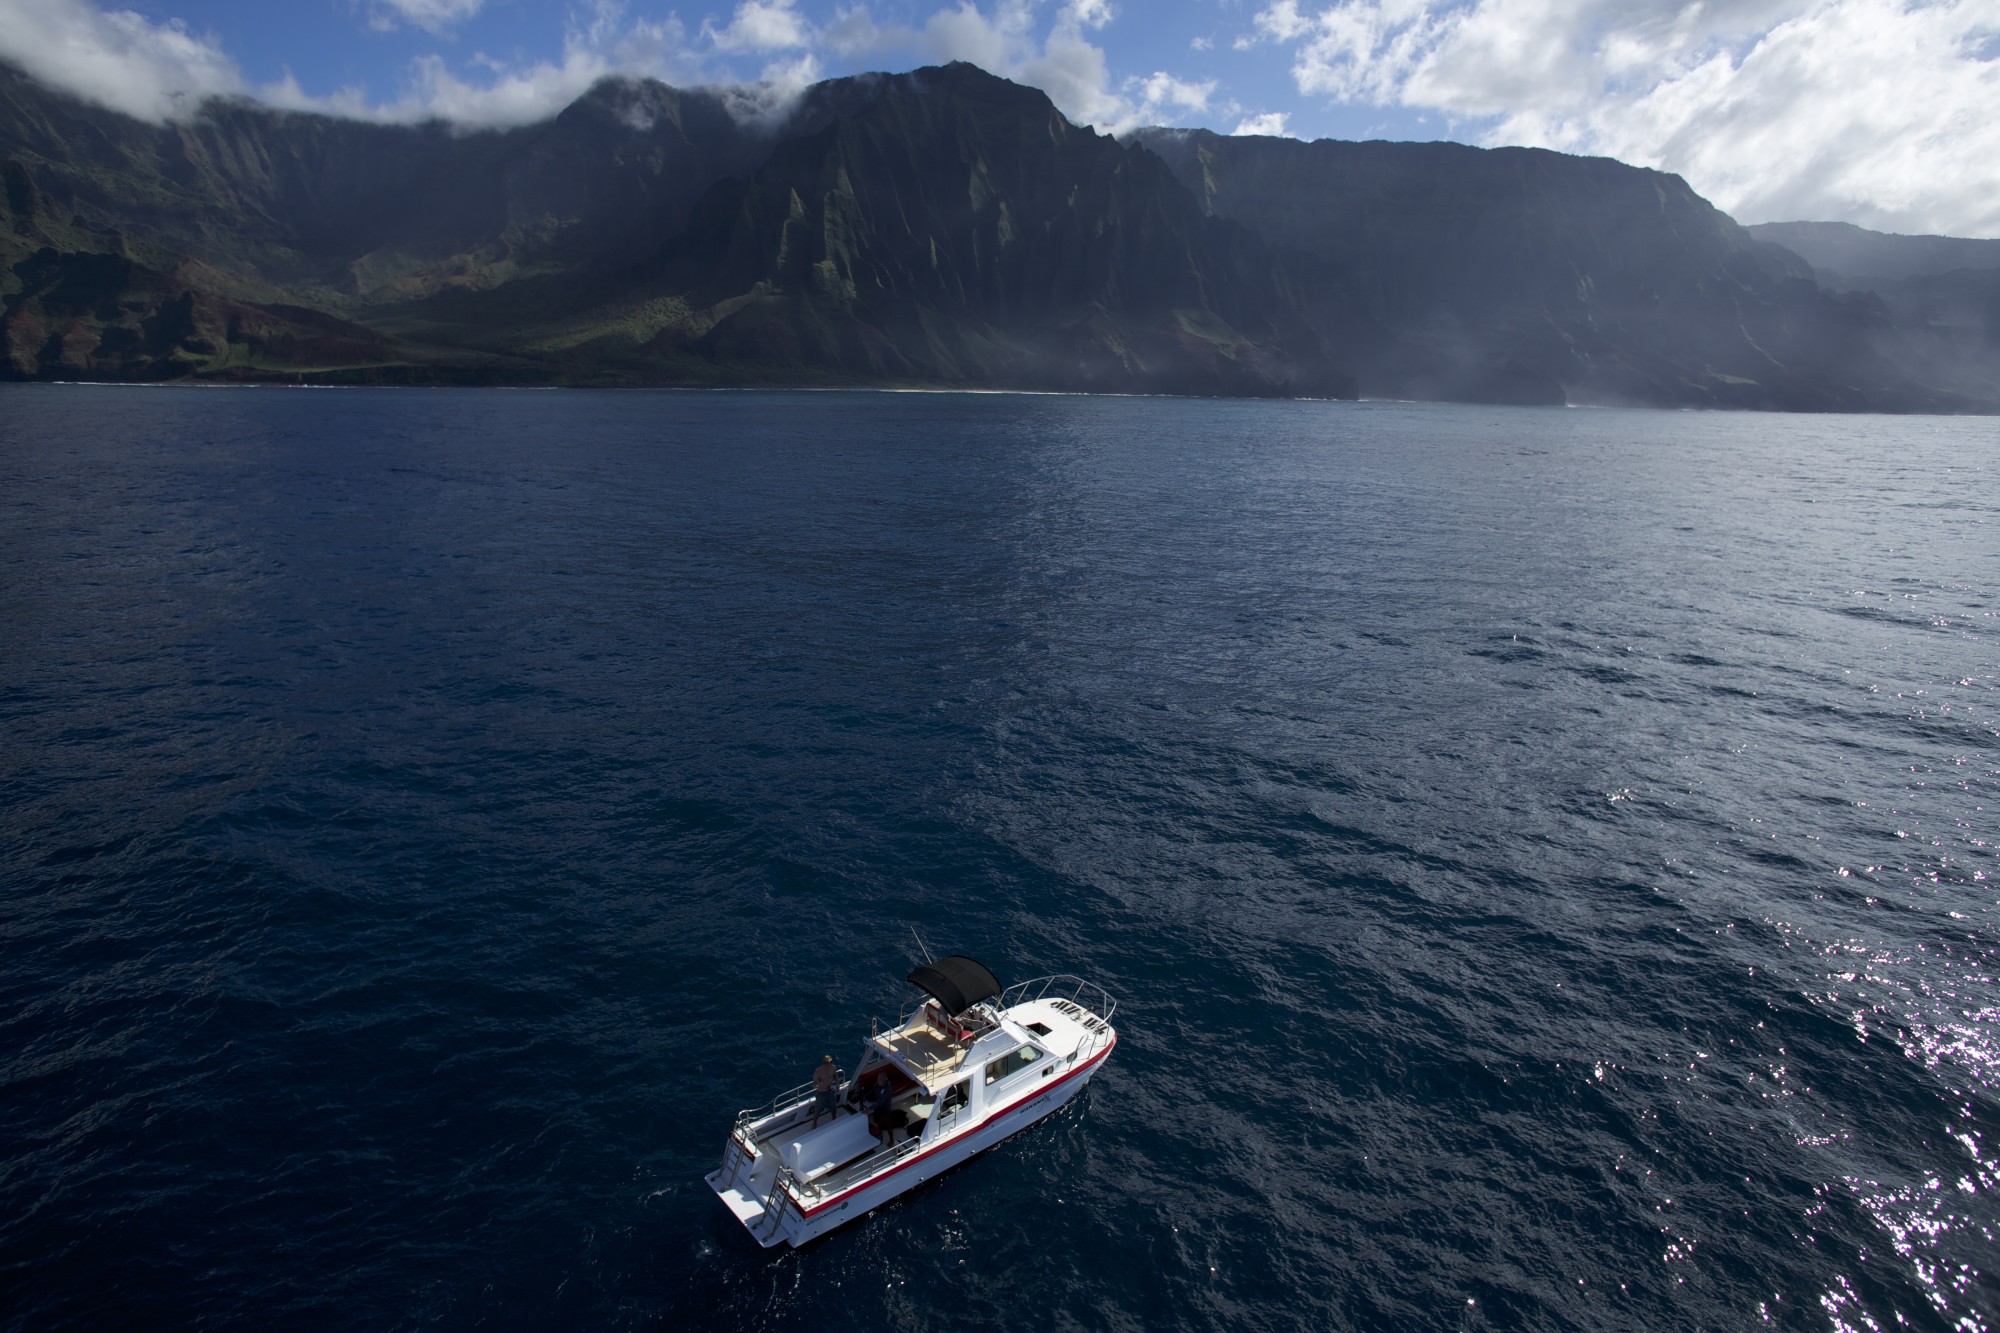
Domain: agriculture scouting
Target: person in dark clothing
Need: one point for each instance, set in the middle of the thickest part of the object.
(881, 1118)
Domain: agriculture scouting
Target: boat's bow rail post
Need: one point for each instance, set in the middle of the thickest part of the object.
(1085, 1001)
(1087, 995)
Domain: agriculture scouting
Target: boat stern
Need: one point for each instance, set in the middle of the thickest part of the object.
(746, 1207)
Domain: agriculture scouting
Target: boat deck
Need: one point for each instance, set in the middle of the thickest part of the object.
(922, 1051)
(789, 1178)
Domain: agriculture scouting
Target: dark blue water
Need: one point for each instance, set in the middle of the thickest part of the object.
(1547, 859)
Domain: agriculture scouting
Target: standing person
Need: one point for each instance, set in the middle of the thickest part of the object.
(826, 1087)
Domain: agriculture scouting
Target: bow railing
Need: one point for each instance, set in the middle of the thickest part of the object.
(1086, 995)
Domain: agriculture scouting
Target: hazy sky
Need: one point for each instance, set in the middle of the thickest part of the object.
(1880, 112)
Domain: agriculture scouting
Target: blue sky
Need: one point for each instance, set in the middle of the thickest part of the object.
(378, 47)
(1880, 112)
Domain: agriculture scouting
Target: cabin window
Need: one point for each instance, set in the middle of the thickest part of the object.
(1039, 1029)
(1011, 1063)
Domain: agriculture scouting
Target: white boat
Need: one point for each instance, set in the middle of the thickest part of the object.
(968, 1066)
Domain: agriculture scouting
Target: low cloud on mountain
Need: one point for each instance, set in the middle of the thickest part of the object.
(121, 60)
(1878, 112)
(161, 70)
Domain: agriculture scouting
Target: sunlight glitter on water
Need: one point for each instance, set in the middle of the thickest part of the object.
(1933, 1002)
(1925, 1225)
(1457, 798)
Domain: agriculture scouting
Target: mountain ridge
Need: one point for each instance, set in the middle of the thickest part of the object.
(1942, 293)
(1618, 282)
(942, 227)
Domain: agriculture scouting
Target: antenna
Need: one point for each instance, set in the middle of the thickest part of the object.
(925, 948)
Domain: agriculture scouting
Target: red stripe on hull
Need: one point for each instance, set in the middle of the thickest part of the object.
(810, 1213)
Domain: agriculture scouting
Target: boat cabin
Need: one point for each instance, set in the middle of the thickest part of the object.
(949, 1062)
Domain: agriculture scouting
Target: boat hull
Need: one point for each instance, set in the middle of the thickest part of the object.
(798, 1223)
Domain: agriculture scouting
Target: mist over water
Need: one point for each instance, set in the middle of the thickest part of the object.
(1546, 859)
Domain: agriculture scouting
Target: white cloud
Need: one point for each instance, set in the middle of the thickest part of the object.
(1283, 22)
(598, 43)
(122, 60)
(997, 44)
(1076, 76)
(1271, 123)
(1089, 13)
(1161, 89)
(769, 100)
(1880, 112)
(761, 25)
(1064, 63)
(852, 32)
(433, 16)
(164, 71)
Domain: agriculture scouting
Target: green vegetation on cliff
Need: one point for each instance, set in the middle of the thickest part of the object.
(943, 228)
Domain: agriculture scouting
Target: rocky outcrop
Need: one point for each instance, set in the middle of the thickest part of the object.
(89, 315)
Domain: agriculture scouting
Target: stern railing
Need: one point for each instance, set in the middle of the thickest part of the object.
(783, 1101)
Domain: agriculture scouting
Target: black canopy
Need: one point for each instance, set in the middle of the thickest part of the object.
(956, 982)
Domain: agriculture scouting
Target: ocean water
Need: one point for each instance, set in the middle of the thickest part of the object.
(1546, 859)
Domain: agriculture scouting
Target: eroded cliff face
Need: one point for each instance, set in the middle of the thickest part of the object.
(1941, 294)
(955, 228)
(1530, 268)
(942, 227)
(349, 212)
(308, 228)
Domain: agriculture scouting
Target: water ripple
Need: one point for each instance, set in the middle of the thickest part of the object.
(1546, 858)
